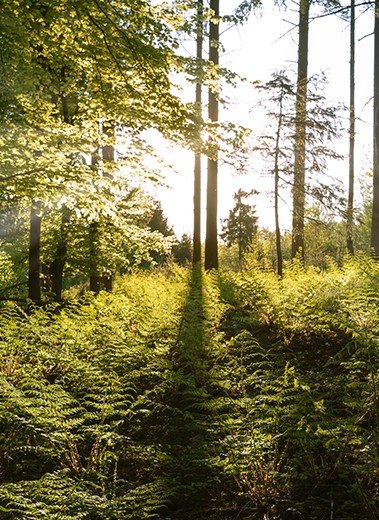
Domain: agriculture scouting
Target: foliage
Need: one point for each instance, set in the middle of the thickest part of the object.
(73, 386)
(182, 395)
(323, 128)
(182, 250)
(78, 78)
(241, 224)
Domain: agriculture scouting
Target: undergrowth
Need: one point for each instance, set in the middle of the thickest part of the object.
(184, 395)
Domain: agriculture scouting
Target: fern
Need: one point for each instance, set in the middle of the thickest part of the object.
(192, 395)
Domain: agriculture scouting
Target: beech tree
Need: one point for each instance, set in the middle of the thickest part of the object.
(34, 284)
(69, 64)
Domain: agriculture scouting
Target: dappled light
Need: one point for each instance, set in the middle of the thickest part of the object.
(189, 246)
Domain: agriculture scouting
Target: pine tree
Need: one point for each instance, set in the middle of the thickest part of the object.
(211, 246)
(276, 144)
(197, 167)
(375, 204)
(300, 133)
(241, 225)
(350, 200)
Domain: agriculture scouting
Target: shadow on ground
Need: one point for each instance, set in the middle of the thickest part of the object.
(190, 472)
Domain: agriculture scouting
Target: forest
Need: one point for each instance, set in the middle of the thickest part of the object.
(231, 373)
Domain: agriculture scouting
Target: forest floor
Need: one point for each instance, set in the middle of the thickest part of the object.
(190, 395)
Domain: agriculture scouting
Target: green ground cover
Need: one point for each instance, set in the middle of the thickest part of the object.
(190, 395)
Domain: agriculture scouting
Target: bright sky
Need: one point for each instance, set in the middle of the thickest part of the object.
(264, 44)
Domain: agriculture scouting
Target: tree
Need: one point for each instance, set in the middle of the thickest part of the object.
(197, 168)
(350, 199)
(65, 65)
(57, 266)
(211, 246)
(300, 133)
(276, 144)
(281, 93)
(241, 225)
(104, 168)
(158, 221)
(182, 250)
(34, 279)
(375, 204)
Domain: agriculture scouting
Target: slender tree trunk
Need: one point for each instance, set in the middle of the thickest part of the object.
(375, 205)
(34, 279)
(350, 200)
(57, 265)
(211, 244)
(300, 133)
(196, 256)
(108, 154)
(240, 234)
(98, 282)
(94, 276)
(279, 255)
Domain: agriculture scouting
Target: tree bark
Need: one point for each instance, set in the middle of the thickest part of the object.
(279, 255)
(240, 234)
(34, 277)
(98, 282)
(57, 265)
(375, 204)
(196, 255)
(350, 200)
(211, 243)
(108, 154)
(94, 276)
(300, 134)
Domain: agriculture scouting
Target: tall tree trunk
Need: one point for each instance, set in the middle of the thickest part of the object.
(211, 245)
(240, 237)
(108, 154)
(34, 278)
(196, 255)
(94, 275)
(57, 265)
(350, 199)
(300, 133)
(98, 282)
(279, 255)
(375, 204)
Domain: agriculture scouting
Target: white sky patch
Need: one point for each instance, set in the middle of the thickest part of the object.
(254, 51)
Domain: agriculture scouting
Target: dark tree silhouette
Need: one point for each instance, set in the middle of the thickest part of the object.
(197, 169)
(211, 246)
(34, 277)
(300, 132)
(350, 199)
(375, 204)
